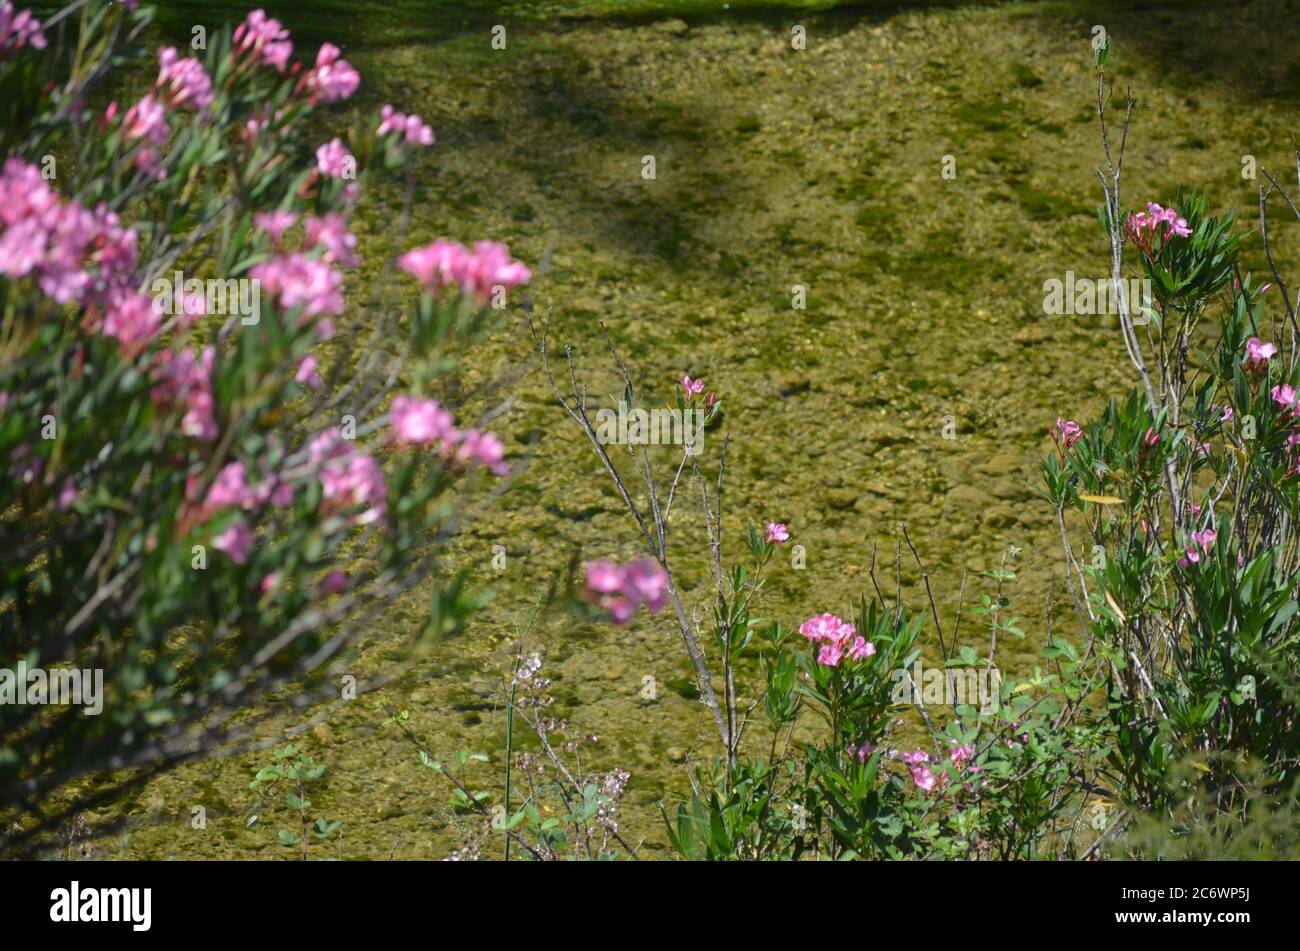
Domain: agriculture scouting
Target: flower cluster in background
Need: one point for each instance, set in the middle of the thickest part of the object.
(835, 639)
(620, 588)
(422, 421)
(18, 30)
(443, 264)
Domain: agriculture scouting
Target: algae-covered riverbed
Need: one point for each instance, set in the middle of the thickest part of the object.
(775, 167)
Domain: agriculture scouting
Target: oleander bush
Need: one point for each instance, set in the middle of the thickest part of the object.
(200, 497)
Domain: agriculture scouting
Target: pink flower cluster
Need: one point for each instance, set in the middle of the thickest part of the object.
(296, 281)
(147, 121)
(414, 129)
(1202, 541)
(18, 30)
(421, 421)
(693, 388)
(274, 223)
(264, 38)
(484, 449)
(1259, 353)
(450, 264)
(619, 589)
(183, 380)
(331, 79)
(183, 81)
(331, 233)
(926, 779)
(836, 639)
(777, 532)
(1067, 432)
(74, 254)
(334, 159)
(1288, 402)
(349, 478)
(1143, 226)
(231, 488)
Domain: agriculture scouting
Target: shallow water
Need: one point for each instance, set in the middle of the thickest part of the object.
(775, 168)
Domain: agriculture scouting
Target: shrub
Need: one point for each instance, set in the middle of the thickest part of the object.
(211, 486)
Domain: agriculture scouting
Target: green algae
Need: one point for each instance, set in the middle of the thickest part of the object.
(776, 167)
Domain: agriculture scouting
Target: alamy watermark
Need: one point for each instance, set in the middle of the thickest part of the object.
(35, 686)
(77, 904)
(948, 686)
(241, 297)
(1086, 296)
(653, 427)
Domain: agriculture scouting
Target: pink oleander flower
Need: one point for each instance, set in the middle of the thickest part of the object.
(236, 541)
(264, 38)
(915, 758)
(619, 590)
(863, 752)
(1226, 415)
(830, 654)
(826, 627)
(443, 264)
(923, 778)
(412, 127)
(349, 478)
(147, 120)
(835, 637)
(1069, 431)
(332, 79)
(483, 449)
(229, 488)
(491, 266)
(861, 649)
(1258, 353)
(777, 532)
(130, 318)
(693, 388)
(72, 252)
(269, 582)
(961, 754)
(183, 80)
(417, 421)
(331, 233)
(19, 30)
(296, 281)
(1264, 289)
(274, 223)
(1284, 395)
(646, 583)
(1202, 541)
(1143, 226)
(334, 159)
(1151, 437)
(183, 380)
(307, 373)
